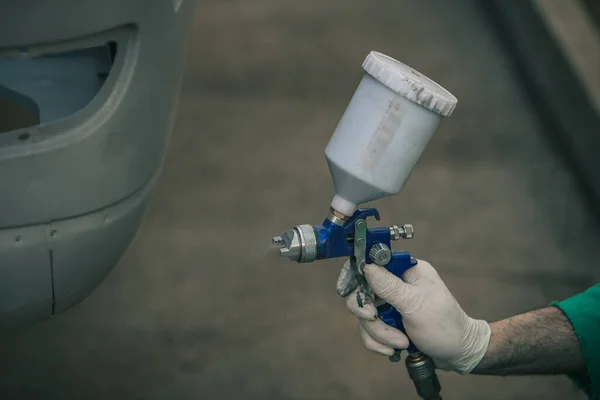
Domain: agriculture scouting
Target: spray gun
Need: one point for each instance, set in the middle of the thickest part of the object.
(391, 117)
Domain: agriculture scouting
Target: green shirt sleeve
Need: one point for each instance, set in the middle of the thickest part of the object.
(583, 310)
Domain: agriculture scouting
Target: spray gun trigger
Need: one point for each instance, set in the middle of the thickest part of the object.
(360, 242)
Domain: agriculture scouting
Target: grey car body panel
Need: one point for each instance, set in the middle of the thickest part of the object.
(25, 275)
(73, 194)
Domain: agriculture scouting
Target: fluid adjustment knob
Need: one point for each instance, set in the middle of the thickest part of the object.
(380, 254)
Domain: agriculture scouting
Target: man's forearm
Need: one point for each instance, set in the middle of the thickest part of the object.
(537, 342)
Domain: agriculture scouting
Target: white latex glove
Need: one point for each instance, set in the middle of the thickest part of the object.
(432, 317)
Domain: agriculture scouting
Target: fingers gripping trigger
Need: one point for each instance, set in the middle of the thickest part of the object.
(385, 334)
(346, 282)
(361, 305)
(372, 345)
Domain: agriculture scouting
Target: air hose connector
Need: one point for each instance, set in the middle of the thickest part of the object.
(422, 372)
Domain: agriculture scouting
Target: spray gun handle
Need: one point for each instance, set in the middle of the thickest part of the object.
(399, 263)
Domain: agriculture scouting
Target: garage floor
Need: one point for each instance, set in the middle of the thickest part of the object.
(199, 308)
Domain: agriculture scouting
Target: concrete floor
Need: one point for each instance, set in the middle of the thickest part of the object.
(199, 308)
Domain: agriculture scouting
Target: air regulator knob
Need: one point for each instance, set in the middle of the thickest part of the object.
(380, 254)
(405, 231)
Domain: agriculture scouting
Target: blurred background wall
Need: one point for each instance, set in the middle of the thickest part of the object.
(199, 307)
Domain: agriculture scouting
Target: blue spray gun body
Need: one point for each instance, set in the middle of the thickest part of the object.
(339, 236)
(350, 237)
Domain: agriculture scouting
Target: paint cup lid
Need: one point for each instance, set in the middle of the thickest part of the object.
(409, 83)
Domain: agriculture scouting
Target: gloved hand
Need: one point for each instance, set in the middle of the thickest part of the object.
(432, 317)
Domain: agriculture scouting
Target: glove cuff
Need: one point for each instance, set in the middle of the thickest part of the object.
(477, 341)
